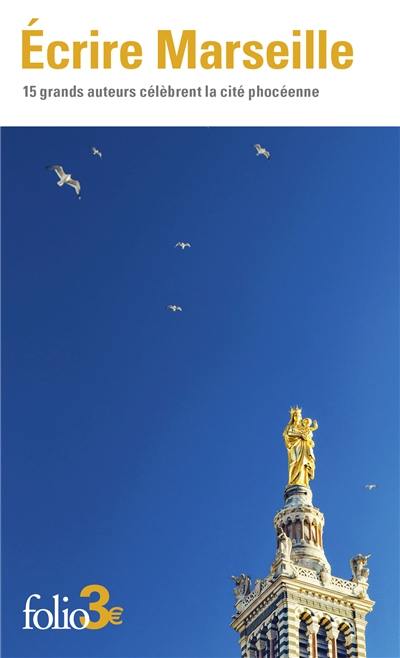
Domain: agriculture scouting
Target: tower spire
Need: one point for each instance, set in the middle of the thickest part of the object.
(299, 610)
(299, 519)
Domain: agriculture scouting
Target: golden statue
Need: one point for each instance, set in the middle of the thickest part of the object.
(298, 435)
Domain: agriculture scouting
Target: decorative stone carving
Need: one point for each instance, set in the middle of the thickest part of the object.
(284, 545)
(325, 575)
(299, 521)
(312, 628)
(283, 564)
(243, 585)
(257, 586)
(359, 569)
(333, 631)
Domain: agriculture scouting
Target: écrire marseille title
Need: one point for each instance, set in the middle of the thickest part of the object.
(308, 49)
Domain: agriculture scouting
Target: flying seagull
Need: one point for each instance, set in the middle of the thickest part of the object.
(183, 245)
(65, 178)
(262, 151)
(174, 308)
(96, 151)
(370, 486)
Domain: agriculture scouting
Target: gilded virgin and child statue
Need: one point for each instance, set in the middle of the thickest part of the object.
(298, 435)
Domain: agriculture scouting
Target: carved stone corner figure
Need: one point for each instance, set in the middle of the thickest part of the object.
(243, 585)
(325, 575)
(283, 564)
(298, 436)
(284, 545)
(359, 569)
(258, 586)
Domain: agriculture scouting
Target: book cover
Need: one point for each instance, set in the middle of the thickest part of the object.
(200, 330)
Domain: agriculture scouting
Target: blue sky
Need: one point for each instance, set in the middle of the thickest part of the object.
(143, 449)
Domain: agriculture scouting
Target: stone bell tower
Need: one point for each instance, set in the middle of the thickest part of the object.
(300, 610)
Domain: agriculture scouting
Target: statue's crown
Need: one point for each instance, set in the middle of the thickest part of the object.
(296, 408)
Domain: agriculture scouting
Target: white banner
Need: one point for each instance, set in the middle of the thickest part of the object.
(176, 64)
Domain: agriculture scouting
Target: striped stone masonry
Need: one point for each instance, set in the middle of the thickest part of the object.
(300, 610)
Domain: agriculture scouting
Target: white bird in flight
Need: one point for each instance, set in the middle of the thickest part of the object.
(370, 486)
(183, 245)
(174, 308)
(95, 151)
(66, 179)
(262, 151)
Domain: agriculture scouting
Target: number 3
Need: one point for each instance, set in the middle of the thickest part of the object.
(97, 606)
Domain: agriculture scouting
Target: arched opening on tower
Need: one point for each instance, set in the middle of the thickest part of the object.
(322, 643)
(289, 528)
(272, 644)
(307, 529)
(252, 649)
(314, 532)
(297, 530)
(341, 650)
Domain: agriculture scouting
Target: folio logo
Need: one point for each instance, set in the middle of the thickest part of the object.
(44, 619)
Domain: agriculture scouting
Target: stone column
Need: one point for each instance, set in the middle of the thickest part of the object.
(261, 645)
(332, 635)
(312, 638)
(271, 636)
